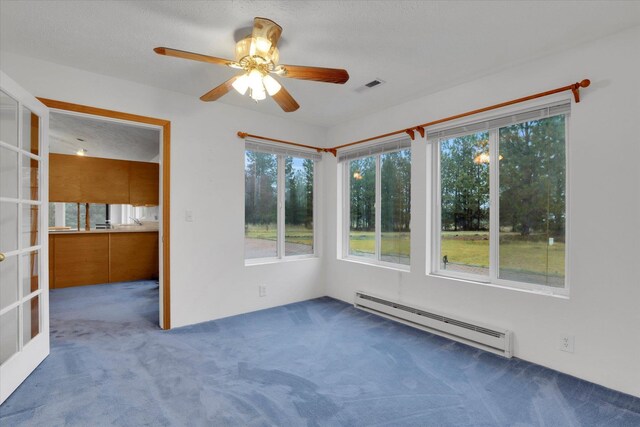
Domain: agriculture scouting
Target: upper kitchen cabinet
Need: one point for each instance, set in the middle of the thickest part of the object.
(80, 179)
(143, 184)
(88, 179)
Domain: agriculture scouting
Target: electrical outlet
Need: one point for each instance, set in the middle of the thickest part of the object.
(262, 290)
(188, 216)
(566, 343)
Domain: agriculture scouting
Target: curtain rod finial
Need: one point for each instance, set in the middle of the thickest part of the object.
(585, 83)
(242, 134)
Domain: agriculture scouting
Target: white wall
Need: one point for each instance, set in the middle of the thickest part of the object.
(603, 311)
(208, 276)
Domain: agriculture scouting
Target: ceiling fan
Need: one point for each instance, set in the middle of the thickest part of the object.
(257, 56)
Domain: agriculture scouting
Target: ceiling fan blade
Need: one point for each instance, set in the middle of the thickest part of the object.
(285, 100)
(219, 91)
(266, 29)
(318, 74)
(190, 55)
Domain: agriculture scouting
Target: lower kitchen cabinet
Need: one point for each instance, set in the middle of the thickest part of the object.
(89, 258)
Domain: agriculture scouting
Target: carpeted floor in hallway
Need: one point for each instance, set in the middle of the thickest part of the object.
(314, 363)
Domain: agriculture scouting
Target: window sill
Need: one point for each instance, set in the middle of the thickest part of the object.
(264, 261)
(509, 286)
(375, 263)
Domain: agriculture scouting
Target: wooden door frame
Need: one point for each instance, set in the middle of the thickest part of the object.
(166, 162)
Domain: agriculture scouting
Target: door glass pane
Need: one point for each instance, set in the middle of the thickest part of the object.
(30, 175)
(30, 272)
(298, 206)
(30, 131)
(8, 281)
(362, 212)
(8, 226)
(8, 334)
(260, 207)
(464, 204)
(8, 119)
(532, 202)
(30, 319)
(8, 173)
(395, 192)
(30, 225)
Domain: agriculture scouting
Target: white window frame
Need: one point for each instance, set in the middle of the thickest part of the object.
(346, 216)
(494, 217)
(280, 216)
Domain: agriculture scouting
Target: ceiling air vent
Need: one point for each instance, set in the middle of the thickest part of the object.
(370, 85)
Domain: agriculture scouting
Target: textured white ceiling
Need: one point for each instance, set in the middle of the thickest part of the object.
(416, 47)
(105, 139)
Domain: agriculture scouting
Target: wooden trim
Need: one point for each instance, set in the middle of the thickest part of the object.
(77, 108)
(574, 88)
(243, 135)
(166, 175)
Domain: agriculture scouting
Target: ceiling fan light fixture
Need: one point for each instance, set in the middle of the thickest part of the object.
(255, 81)
(271, 85)
(258, 95)
(257, 56)
(260, 46)
(241, 84)
(256, 50)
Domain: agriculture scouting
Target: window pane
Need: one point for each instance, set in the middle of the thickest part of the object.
(30, 319)
(298, 208)
(8, 119)
(30, 225)
(30, 178)
(8, 281)
(260, 207)
(464, 214)
(98, 214)
(30, 272)
(52, 214)
(30, 131)
(532, 202)
(8, 334)
(71, 215)
(362, 194)
(395, 191)
(8, 226)
(8, 173)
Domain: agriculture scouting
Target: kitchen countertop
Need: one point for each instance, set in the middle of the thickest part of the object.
(131, 229)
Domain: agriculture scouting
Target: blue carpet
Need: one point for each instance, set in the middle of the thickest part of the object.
(315, 363)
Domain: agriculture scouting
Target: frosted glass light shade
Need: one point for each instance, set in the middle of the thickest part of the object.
(271, 85)
(258, 95)
(241, 84)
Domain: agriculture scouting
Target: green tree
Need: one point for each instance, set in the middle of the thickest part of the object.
(261, 173)
(363, 193)
(532, 177)
(464, 182)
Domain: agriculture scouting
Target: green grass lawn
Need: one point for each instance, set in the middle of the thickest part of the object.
(517, 253)
(463, 247)
(292, 234)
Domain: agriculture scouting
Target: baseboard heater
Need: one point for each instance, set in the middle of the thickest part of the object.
(488, 338)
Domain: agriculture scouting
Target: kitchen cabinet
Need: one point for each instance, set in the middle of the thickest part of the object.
(133, 256)
(144, 186)
(79, 179)
(78, 259)
(103, 256)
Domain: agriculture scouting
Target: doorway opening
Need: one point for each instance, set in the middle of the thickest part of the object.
(126, 205)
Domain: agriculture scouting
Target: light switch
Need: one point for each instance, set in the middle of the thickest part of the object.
(188, 216)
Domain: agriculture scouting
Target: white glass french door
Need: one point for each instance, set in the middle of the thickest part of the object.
(24, 302)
